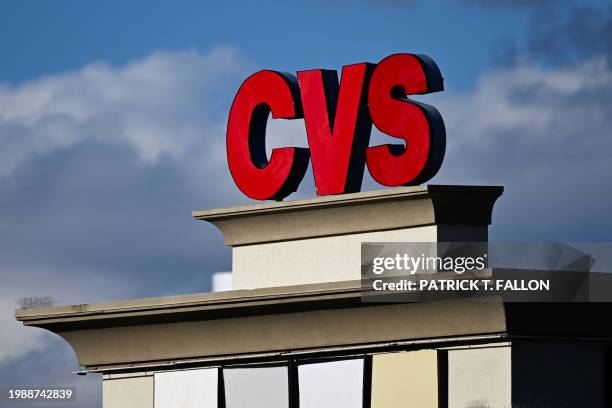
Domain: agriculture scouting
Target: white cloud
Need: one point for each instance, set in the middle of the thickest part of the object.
(544, 134)
(166, 103)
(526, 96)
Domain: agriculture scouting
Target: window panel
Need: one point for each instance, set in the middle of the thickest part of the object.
(258, 387)
(479, 377)
(187, 389)
(337, 384)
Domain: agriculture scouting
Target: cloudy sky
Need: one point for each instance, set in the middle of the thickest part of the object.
(112, 119)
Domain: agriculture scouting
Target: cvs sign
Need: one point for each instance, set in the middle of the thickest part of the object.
(338, 119)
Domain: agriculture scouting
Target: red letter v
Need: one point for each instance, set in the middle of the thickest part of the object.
(338, 125)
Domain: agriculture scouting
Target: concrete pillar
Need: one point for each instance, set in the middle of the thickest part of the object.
(319, 240)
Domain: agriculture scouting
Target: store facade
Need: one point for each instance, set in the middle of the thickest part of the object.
(295, 331)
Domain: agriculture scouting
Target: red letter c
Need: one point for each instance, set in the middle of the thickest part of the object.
(255, 175)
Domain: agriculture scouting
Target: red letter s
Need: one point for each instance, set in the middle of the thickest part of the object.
(419, 125)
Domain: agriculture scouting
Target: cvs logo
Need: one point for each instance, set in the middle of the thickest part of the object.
(338, 118)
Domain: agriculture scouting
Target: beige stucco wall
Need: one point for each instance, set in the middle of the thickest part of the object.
(405, 380)
(134, 392)
(315, 260)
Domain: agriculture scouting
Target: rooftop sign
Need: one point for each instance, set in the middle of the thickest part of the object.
(338, 119)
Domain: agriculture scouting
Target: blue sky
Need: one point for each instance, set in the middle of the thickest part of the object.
(112, 126)
(42, 38)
